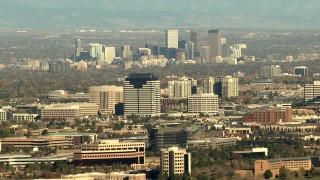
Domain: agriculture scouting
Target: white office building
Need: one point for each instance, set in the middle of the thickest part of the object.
(204, 103)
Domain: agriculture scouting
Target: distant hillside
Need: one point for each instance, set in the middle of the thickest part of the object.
(159, 13)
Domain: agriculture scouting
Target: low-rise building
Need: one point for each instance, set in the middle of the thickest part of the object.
(165, 137)
(69, 110)
(78, 138)
(254, 152)
(293, 164)
(22, 116)
(40, 141)
(109, 152)
(212, 142)
(273, 115)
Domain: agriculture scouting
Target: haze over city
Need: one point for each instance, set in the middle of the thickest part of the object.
(159, 89)
(271, 14)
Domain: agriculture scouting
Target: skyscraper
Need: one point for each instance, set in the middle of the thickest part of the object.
(79, 48)
(194, 38)
(226, 86)
(230, 87)
(214, 42)
(172, 38)
(96, 50)
(109, 54)
(208, 85)
(181, 88)
(270, 71)
(126, 51)
(190, 50)
(142, 94)
(205, 54)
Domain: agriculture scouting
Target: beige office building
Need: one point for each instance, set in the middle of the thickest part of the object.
(110, 152)
(204, 103)
(3, 115)
(208, 85)
(106, 97)
(175, 161)
(69, 110)
(181, 88)
(293, 164)
(172, 38)
(214, 42)
(230, 87)
(311, 91)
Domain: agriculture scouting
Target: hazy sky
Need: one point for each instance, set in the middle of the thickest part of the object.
(159, 13)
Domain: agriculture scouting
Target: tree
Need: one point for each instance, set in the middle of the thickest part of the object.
(268, 174)
(44, 132)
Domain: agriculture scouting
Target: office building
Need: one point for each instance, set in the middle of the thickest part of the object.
(175, 161)
(230, 87)
(142, 95)
(69, 110)
(195, 38)
(144, 52)
(212, 143)
(270, 71)
(106, 97)
(22, 116)
(301, 70)
(126, 51)
(182, 44)
(181, 88)
(39, 141)
(293, 164)
(181, 56)
(311, 91)
(273, 115)
(164, 137)
(172, 38)
(237, 50)
(208, 85)
(258, 152)
(226, 86)
(190, 50)
(205, 54)
(155, 49)
(79, 48)
(110, 152)
(214, 42)
(204, 103)
(59, 66)
(109, 54)
(3, 115)
(78, 138)
(95, 50)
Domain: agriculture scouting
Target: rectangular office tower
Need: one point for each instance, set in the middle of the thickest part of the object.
(172, 38)
(214, 42)
(142, 95)
(194, 38)
(311, 91)
(175, 161)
